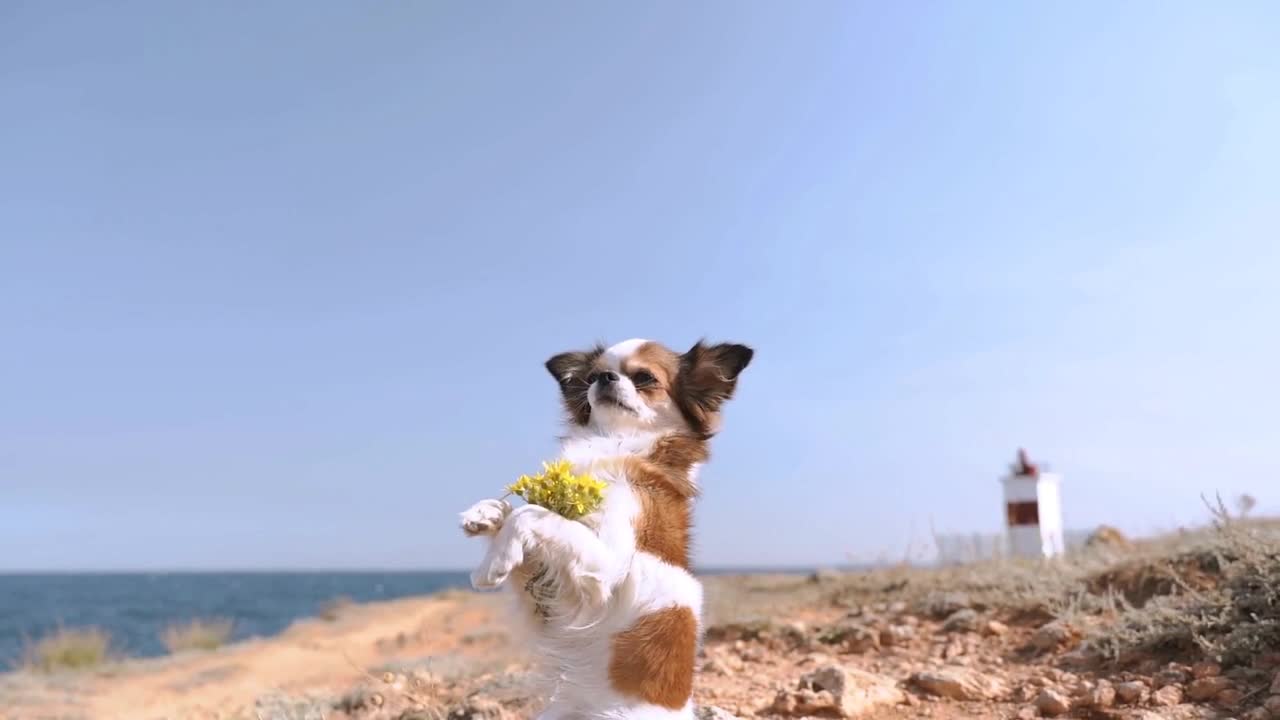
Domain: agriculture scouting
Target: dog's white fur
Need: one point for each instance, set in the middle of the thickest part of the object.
(601, 583)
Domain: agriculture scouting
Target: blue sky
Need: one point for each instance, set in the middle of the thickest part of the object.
(277, 280)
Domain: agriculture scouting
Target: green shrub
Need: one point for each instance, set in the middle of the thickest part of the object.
(68, 649)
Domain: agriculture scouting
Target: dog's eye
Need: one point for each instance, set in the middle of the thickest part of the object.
(642, 378)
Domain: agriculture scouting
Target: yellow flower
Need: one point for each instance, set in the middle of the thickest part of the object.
(560, 491)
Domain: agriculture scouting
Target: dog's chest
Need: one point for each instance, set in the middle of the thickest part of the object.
(587, 450)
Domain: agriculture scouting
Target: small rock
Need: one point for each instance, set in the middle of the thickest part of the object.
(1132, 693)
(794, 630)
(833, 690)
(854, 636)
(897, 635)
(941, 604)
(1272, 705)
(1173, 674)
(1167, 696)
(863, 642)
(1026, 693)
(959, 684)
(953, 650)
(1207, 687)
(1052, 703)
(831, 678)
(1205, 669)
(963, 620)
(1101, 697)
(1027, 713)
(1256, 714)
(1053, 635)
(1275, 684)
(716, 666)
(994, 628)
(1229, 698)
(897, 608)
(711, 712)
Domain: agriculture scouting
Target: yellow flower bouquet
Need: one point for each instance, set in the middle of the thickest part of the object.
(557, 489)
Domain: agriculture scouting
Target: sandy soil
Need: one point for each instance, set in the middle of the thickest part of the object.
(774, 646)
(312, 657)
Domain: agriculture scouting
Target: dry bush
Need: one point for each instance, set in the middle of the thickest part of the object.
(333, 608)
(1210, 592)
(208, 634)
(68, 649)
(1223, 603)
(1013, 587)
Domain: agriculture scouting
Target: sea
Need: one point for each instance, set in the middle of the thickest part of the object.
(135, 608)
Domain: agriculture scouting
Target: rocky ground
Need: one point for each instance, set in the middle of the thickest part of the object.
(1184, 627)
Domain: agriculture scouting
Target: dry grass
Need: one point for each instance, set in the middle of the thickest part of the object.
(281, 706)
(751, 598)
(207, 634)
(1222, 600)
(1211, 593)
(68, 649)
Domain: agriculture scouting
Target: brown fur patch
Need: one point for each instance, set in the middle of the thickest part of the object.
(663, 485)
(570, 370)
(653, 660)
(679, 453)
(707, 377)
(659, 362)
(662, 525)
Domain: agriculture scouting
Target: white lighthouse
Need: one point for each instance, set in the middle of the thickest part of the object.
(1033, 510)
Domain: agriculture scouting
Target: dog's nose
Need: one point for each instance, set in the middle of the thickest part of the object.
(608, 377)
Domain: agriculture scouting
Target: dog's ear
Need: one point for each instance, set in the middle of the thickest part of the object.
(707, 378)
(570, 369)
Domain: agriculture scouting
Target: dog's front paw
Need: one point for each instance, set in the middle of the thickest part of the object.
(498, 564)
(485, 517)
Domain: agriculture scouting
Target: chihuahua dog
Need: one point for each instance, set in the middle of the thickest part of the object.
(609, 598)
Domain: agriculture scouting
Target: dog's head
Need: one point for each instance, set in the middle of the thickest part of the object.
(640, 384)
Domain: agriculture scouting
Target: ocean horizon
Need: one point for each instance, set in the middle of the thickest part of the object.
(134, 607)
